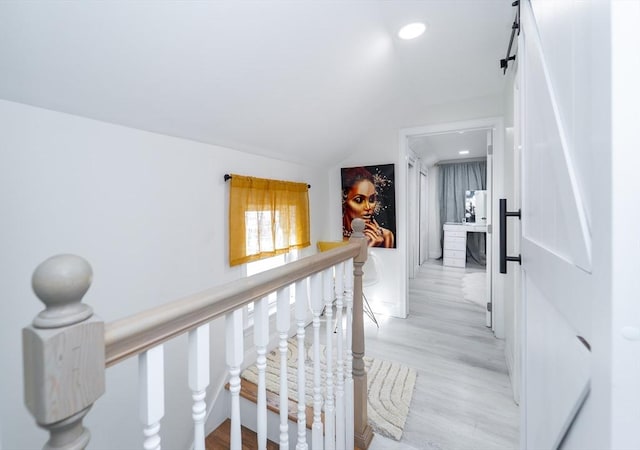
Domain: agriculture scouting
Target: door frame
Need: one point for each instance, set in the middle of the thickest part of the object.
(423, 225)
(497, 125)
(412, 222)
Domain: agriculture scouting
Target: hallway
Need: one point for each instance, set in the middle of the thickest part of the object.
(463, 397)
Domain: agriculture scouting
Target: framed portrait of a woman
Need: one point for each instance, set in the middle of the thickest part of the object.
(368, 193)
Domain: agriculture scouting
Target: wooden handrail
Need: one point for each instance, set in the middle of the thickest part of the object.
(81, 345)
(134, 334)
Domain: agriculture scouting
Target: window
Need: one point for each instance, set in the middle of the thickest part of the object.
(259, 234)
(266, 218)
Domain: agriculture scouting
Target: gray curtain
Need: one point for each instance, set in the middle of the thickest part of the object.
(455, 179)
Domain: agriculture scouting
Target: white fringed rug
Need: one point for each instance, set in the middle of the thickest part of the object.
(390, 387)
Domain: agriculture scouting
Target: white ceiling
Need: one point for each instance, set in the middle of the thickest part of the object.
(434, 148)
(301, 80)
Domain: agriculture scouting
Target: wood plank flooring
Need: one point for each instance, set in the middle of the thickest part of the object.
(220, 439)
(463, 398)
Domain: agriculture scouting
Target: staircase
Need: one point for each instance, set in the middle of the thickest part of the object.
(83, 346)
(219, 438)
(249, 392)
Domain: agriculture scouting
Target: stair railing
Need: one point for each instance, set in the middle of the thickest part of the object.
(67, 349)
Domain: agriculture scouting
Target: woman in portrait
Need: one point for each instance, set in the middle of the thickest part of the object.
(360, 199)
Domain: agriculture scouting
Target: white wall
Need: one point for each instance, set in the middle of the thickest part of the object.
(625, 307)
(149, 213)
(381, 293)
(378, 145)
(612, 414)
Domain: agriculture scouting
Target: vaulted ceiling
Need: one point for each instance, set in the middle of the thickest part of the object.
(300, 80)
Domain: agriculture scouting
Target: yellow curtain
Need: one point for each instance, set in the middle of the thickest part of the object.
(266, 218)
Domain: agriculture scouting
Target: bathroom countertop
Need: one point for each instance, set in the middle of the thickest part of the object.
(472, 227)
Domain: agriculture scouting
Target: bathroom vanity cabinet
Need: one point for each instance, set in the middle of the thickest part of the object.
(455, 242)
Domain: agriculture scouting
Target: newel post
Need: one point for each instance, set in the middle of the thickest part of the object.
(63, 352)
(363, 433)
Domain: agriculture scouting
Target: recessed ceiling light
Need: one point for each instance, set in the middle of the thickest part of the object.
(464, 152)
(412, 31)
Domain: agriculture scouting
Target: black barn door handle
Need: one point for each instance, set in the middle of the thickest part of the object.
(503, 235)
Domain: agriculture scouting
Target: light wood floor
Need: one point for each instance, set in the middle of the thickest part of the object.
(463, 397)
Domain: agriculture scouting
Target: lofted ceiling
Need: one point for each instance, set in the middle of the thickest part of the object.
(298, 80)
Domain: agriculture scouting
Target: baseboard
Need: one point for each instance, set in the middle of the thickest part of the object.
(508, 356)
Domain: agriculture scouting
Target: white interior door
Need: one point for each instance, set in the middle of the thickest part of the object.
(556, 249)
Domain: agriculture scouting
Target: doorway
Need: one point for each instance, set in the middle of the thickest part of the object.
(490, 150)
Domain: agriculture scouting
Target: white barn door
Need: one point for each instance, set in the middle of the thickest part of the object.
(557, 277)
(579, 66)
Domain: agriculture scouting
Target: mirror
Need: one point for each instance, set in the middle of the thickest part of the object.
(475, 207)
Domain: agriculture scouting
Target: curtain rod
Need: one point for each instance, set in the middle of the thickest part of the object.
(504, 63)
(227, 177)
(459, 161)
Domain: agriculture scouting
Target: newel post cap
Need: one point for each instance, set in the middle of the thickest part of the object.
(60, 282)
(358, 225)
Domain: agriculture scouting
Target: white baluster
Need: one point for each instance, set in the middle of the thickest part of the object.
(235, 352)
(151, 378)
(316, 308)
(348, 385)
(283, 324)
(340, 412)
(199, 380)
(261, 340)
(302, 302)
(329, 407)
